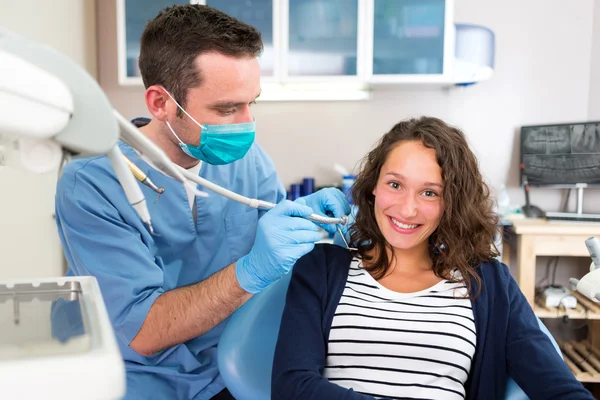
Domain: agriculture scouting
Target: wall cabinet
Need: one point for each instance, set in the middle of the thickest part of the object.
(346, 43)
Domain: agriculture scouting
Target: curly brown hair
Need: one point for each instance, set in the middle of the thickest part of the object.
(465, 235)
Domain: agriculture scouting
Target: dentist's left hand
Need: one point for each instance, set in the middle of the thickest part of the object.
(282, 237)
(327, 202)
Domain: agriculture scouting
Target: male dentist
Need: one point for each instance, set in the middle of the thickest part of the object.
(168, 294)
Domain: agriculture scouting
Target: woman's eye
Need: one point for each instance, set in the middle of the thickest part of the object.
(394, 185)
(430, 193)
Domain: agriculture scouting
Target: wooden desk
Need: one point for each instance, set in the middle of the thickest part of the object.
(540, 237)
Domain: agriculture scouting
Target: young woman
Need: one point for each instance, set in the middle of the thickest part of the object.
(422, 310)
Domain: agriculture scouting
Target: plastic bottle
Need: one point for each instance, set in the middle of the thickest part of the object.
(308, 186)
(347, 183)
(295, 191)
(503, 201)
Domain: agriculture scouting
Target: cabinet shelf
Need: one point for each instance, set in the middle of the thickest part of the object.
(582, 360)
(371, 41)
(344, 46)
(586, 309)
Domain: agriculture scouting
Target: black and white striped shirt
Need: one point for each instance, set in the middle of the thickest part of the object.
(401, 345)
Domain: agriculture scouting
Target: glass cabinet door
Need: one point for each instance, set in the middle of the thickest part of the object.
(137, 13)
(317, 41)
(408, 37)
(258, 13)
(323, 38)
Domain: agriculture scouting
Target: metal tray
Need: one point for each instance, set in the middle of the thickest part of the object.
(41, 320)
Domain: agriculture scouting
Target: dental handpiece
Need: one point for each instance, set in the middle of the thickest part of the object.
(255, 203)
(130, 187)
(320, 219)
(142, 177)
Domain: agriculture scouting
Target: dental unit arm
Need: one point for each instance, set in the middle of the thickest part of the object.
(589, 285)
(52, 109)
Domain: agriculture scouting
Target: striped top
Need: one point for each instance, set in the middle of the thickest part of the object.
(401, 345)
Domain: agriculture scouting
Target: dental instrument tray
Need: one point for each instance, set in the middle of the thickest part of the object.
(55, 334)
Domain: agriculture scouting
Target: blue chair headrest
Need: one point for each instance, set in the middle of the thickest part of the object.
(247, 345)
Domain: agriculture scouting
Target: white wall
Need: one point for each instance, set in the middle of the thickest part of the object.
(29, 244)
(594, 107)
(542, 76)
(546, 72)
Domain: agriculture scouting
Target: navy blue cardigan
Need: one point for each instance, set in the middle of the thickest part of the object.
(509, 340)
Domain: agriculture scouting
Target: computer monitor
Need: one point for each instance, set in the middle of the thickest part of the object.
(561, 155)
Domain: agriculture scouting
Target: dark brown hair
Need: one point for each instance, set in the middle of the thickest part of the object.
(465, 235)
(178, 34)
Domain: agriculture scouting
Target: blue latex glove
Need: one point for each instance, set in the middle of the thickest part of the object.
(281, 239)
(327, 202)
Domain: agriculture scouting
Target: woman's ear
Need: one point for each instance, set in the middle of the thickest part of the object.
(436, 250)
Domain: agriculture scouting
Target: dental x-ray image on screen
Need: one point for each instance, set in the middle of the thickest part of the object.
(561, 155)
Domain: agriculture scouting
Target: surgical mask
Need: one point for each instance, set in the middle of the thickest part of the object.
(219, 144)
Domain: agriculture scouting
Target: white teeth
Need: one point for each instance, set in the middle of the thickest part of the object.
(404, 226)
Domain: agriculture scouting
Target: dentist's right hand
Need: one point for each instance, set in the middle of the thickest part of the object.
(281, 239)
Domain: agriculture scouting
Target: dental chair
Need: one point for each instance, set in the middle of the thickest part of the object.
(247, 346)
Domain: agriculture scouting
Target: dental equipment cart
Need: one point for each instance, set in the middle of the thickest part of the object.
(56, 341)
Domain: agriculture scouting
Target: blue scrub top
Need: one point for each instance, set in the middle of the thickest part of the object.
(103, 236)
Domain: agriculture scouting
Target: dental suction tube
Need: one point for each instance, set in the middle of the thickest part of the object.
(254, 203)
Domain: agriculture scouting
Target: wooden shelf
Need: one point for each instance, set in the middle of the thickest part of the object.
(586, 309)
(535, 238)
(543, 312)
(581, 360)
(544, 227)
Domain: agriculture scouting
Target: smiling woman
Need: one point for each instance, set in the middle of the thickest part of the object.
(422, 309)
(423, 172)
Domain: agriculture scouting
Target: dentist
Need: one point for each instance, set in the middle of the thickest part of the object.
(168, 295)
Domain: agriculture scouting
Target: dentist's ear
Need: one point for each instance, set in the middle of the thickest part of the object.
(158, 104)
